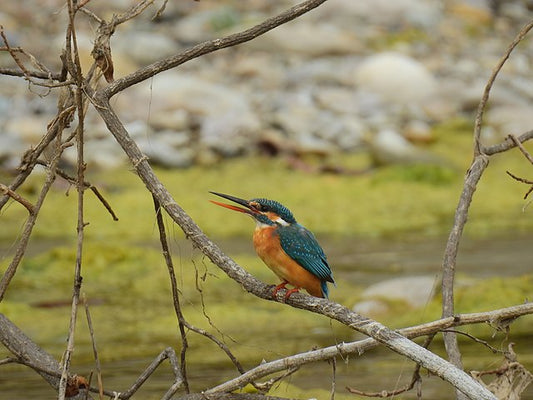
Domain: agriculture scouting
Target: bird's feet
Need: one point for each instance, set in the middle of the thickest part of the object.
(278, 287)
(283, 285)
(290, 292)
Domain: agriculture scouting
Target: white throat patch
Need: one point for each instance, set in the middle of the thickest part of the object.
(281, 221)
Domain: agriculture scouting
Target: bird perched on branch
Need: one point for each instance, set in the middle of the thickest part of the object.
(286, 247)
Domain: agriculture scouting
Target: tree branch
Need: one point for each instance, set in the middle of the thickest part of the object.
(209, 47)
(391, 339)
(479, 163)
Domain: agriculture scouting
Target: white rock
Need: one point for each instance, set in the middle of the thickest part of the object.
(396, 78)
(416, 291)
(308, 39)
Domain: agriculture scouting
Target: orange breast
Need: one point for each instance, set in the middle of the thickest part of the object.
(268, 248)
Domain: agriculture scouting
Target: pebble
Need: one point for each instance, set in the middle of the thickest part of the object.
(396, 78)
(415, 291)
(345, 74)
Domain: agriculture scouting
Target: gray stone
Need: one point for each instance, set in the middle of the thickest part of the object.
(145, 47)
(161, 154)
(416, 291)
(396, 78)
(318, 39)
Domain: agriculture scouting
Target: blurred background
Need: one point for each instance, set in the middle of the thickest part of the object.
(357, 116)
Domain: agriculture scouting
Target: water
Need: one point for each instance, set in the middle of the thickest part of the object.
(379, 369)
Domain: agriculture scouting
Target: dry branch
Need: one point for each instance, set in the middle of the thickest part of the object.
(391, 339)
(474, 174)
(75, 100)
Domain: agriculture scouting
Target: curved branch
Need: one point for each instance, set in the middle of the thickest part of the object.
(478, 166)
(393, 340)
(360, 346)
(478, 147)
(209, 47)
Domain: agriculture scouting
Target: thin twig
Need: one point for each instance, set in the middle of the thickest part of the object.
(95, 350)
(72, 47)
(390, 393)
(183, 323)
(333, 377)
(475, 339)
(522, 148)
(474, 174)
(175, 292)
(10, 271)
(86, 184)
(59, 123)
(18, 198)
(523, 180)
(167, 353)
(478, 147)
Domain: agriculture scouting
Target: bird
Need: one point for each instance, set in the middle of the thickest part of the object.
(289, 249)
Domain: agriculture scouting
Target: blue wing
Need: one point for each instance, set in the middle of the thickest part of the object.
(301, 245)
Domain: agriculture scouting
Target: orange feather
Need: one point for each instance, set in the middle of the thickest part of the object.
(268, 248)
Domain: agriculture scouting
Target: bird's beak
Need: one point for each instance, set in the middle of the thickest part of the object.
(242, 202)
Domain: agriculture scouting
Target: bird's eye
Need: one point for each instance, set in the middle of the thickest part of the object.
(257, 206)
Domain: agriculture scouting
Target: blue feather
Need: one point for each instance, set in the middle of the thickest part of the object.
(302, 246)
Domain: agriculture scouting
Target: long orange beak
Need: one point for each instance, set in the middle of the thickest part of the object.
(237, 200)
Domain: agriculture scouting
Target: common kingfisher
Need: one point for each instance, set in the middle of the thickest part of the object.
(286, 247)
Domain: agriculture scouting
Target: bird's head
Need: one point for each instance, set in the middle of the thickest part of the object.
(264, 211)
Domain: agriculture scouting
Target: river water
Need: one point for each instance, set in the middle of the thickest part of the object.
(379, 369)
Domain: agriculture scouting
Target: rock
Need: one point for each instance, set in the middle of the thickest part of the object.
(396, 78)
(103, 153)
(224, 118)
(169, 119)
(370, 307)
(416, 291)
(206, 24)
(11, 149)
(144, 47)
(418, 132)
(383, 12)
(389, 147)
(510, 119)
(29, 128)
(336, 72)
(160, 153)
(312, 40)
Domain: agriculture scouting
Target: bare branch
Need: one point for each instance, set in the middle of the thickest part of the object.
(522, 149)
(478, 147)
(76, 72)
(86, 184)
(63, 118)
(361, 346)
(10, 271)
(95, 350)
(523, 180)
(479, 163)
(18, 198)
(208, 47)
(415, 379)
(391, 339)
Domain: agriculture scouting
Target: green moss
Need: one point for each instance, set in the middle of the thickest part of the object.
(390, 201)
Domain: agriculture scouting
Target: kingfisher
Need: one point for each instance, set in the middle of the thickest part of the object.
(290, 250)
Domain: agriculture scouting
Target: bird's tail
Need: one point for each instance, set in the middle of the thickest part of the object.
(325, 291)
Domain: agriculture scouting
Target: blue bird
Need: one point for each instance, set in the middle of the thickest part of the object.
(286, 247)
